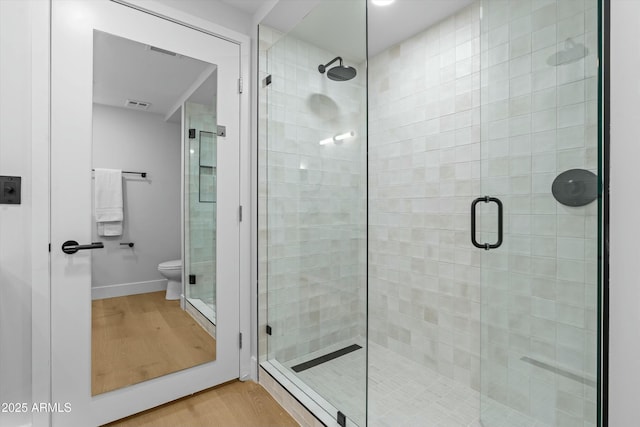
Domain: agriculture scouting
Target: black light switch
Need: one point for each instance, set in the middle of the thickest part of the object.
(10, 190)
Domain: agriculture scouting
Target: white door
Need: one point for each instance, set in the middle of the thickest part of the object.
(73, 26)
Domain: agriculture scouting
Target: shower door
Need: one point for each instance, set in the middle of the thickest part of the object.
(535, 217)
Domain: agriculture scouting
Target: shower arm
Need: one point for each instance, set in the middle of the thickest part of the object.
(322, 68)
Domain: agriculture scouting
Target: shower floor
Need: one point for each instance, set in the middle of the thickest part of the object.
(402, 392)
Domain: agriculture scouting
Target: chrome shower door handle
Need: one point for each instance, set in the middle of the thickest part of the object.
(486, 246)
(71, 246)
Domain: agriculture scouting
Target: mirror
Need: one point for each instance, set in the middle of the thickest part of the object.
(154, 209)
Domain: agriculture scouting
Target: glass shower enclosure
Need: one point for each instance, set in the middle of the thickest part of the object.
(429, 229)
(200, 203)
(313, 255)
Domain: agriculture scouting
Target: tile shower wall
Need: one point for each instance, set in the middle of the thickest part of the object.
(424, 168)
(432, 99)
(312, 199)
(200, 238)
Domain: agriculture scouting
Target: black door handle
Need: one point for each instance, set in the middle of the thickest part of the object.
(71, 246)
(486, 246)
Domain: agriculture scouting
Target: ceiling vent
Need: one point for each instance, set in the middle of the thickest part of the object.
(163, 51)
(138, 105)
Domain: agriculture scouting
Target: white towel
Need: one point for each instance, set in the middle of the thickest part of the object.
(108, 202)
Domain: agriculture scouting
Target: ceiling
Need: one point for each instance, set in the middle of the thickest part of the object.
(124, 69)
(338, 26)
(247, 6)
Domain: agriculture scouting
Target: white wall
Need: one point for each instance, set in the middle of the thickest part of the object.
(138, 141)
(15, 224)
(624, 370)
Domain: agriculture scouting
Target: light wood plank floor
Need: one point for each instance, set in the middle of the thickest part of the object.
(139, 337)
(234, 404)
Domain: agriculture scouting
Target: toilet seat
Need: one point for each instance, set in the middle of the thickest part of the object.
(175, 264)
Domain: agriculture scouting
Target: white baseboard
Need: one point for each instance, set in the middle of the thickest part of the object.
(254, 369)
(122, 289)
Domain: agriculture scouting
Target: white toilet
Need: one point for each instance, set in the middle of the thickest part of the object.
(172, 270)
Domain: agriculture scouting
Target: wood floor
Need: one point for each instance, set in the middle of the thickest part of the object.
(139, 337)
(234, 404)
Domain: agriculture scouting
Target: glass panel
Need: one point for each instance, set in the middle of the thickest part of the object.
(200, 169)
(424, 168)
(539, 78)
(139, 329)
(315, 206)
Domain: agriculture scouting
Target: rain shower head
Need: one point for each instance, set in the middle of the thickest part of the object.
(572, 52)
(338, 73)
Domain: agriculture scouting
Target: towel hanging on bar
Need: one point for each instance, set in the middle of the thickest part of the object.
(108, 205)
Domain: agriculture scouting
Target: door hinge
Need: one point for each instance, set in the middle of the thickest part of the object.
(240, 85)
(240, 213)
(192, 279)
(192, 133)
(49, 247)
(269, 330)
(341, 419)
(266, 81)
(240, 340)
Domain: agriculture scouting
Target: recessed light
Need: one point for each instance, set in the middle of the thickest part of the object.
(382, 2)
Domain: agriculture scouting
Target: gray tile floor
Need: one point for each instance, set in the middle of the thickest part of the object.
(403, 393)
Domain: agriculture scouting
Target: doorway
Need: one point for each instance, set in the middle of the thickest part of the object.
(76, 26)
